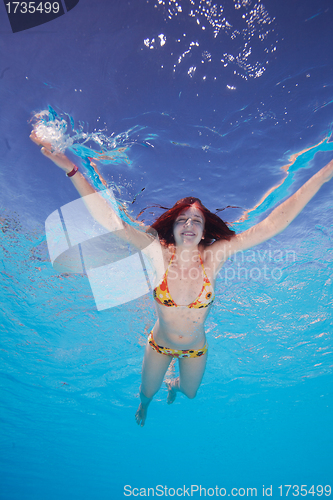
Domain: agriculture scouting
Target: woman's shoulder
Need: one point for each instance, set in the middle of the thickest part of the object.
(218, 251)
(158, 256)
(167, 251)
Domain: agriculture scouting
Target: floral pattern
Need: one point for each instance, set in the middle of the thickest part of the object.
(176, 353)
(206, 296)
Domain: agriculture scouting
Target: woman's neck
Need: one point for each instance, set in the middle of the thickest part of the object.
(186, 256)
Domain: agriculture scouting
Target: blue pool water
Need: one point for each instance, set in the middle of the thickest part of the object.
(230, 102)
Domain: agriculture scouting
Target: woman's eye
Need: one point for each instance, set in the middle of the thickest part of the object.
(195, 221)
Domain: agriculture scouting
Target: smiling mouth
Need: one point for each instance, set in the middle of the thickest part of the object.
(188, 234)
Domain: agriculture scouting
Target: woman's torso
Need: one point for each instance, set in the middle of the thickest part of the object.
(189, 297)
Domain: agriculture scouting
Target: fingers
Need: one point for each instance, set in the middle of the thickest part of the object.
(37, 140)
(51, 154)
(46, 152)
(34, 138)
(57, 157)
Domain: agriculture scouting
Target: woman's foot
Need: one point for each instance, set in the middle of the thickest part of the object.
(141, 415)
(172, 389)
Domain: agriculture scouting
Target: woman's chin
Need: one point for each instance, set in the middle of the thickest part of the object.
(189, 241)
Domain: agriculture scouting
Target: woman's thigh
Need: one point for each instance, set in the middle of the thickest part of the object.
(153, 370)
(191, 371)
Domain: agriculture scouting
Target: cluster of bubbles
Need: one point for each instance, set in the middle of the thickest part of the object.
(59, 132)
(52, 129)
(244, 29)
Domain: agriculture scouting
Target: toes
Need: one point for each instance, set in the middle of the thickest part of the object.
(139, 418)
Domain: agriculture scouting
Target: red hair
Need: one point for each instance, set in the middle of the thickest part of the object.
(215, 228)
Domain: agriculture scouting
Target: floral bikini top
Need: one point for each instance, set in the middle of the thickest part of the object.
(204, 299)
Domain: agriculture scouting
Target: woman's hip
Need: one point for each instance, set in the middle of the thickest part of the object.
(176, 353)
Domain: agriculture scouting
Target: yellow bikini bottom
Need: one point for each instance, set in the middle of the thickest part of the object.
(177, 353)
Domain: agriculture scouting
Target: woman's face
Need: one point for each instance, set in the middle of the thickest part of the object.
(189, 227)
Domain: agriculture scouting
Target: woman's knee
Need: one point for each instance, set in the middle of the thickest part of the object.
(190, 393)
(147, 392)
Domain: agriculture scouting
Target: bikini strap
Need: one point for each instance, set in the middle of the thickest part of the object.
(202, 264)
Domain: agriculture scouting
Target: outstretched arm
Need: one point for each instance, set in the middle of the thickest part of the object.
(99, 208)
(281, 216)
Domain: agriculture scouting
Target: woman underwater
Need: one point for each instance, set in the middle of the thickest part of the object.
(194, 245)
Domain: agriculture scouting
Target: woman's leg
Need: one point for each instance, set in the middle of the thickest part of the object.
(191, 371)
(153, 370)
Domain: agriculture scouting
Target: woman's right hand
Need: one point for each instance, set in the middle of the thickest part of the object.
(59, 159)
